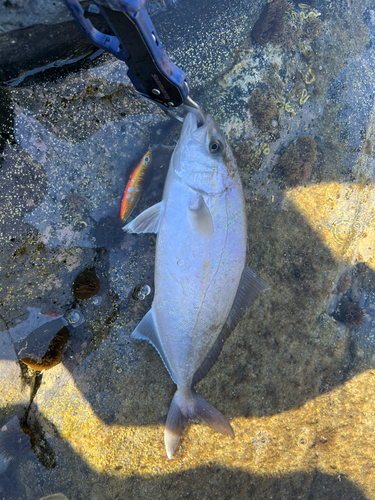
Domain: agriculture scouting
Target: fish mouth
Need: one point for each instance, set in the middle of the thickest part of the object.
(193, 128)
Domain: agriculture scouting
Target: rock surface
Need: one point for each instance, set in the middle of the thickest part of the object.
(296, 384)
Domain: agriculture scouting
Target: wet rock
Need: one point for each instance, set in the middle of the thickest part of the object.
(18, 14)
(104, 408)
(313, 28)
(14, 444)
(6, 118)
(109, 232)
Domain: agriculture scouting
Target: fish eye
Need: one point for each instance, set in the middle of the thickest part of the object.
(214, 147)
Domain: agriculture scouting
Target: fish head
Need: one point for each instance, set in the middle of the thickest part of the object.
(202, 158)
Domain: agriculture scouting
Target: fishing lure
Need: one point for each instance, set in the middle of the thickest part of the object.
(135, 186)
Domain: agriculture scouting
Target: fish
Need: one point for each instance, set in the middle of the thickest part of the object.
(135, 185)
(202, 284)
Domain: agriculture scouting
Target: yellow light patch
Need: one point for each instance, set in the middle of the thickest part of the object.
(343, 215)
(321, 435)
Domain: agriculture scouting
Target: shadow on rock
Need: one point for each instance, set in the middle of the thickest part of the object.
(201, 483)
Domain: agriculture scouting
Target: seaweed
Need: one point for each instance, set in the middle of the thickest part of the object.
(296, 162)
(351, 314)
(53, 355)
(263, 110)
(271, 21)
(344, 283)
(313, 28)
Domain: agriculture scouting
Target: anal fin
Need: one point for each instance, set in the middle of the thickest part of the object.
(147, 329)
(250, 287)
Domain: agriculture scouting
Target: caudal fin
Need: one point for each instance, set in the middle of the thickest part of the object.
(188, 405)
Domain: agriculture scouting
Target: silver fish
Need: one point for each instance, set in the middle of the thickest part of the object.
(202, 284)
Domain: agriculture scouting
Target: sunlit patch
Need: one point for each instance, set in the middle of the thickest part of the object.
(344, 231)
(343, 215)
(296, 440)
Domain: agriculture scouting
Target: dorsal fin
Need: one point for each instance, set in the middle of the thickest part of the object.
(147, 329)
(146, 222)
(251, 286)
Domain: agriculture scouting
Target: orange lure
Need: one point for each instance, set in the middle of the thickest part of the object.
(134, 186)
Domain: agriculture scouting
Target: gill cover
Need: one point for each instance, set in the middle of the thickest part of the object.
(198, 159)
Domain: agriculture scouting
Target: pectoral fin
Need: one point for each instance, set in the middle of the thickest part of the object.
(200, 217)
(146, 222)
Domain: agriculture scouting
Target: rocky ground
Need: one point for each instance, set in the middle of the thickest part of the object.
(291, 86)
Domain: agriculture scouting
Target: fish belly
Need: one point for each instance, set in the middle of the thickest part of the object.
(196, 277)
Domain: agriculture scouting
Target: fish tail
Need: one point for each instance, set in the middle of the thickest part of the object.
(188, 405)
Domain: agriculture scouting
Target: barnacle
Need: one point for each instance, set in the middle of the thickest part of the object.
(324, 438)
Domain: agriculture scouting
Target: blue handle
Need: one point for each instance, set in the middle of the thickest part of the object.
(137, 44)
(129, 6)
(106, 42)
